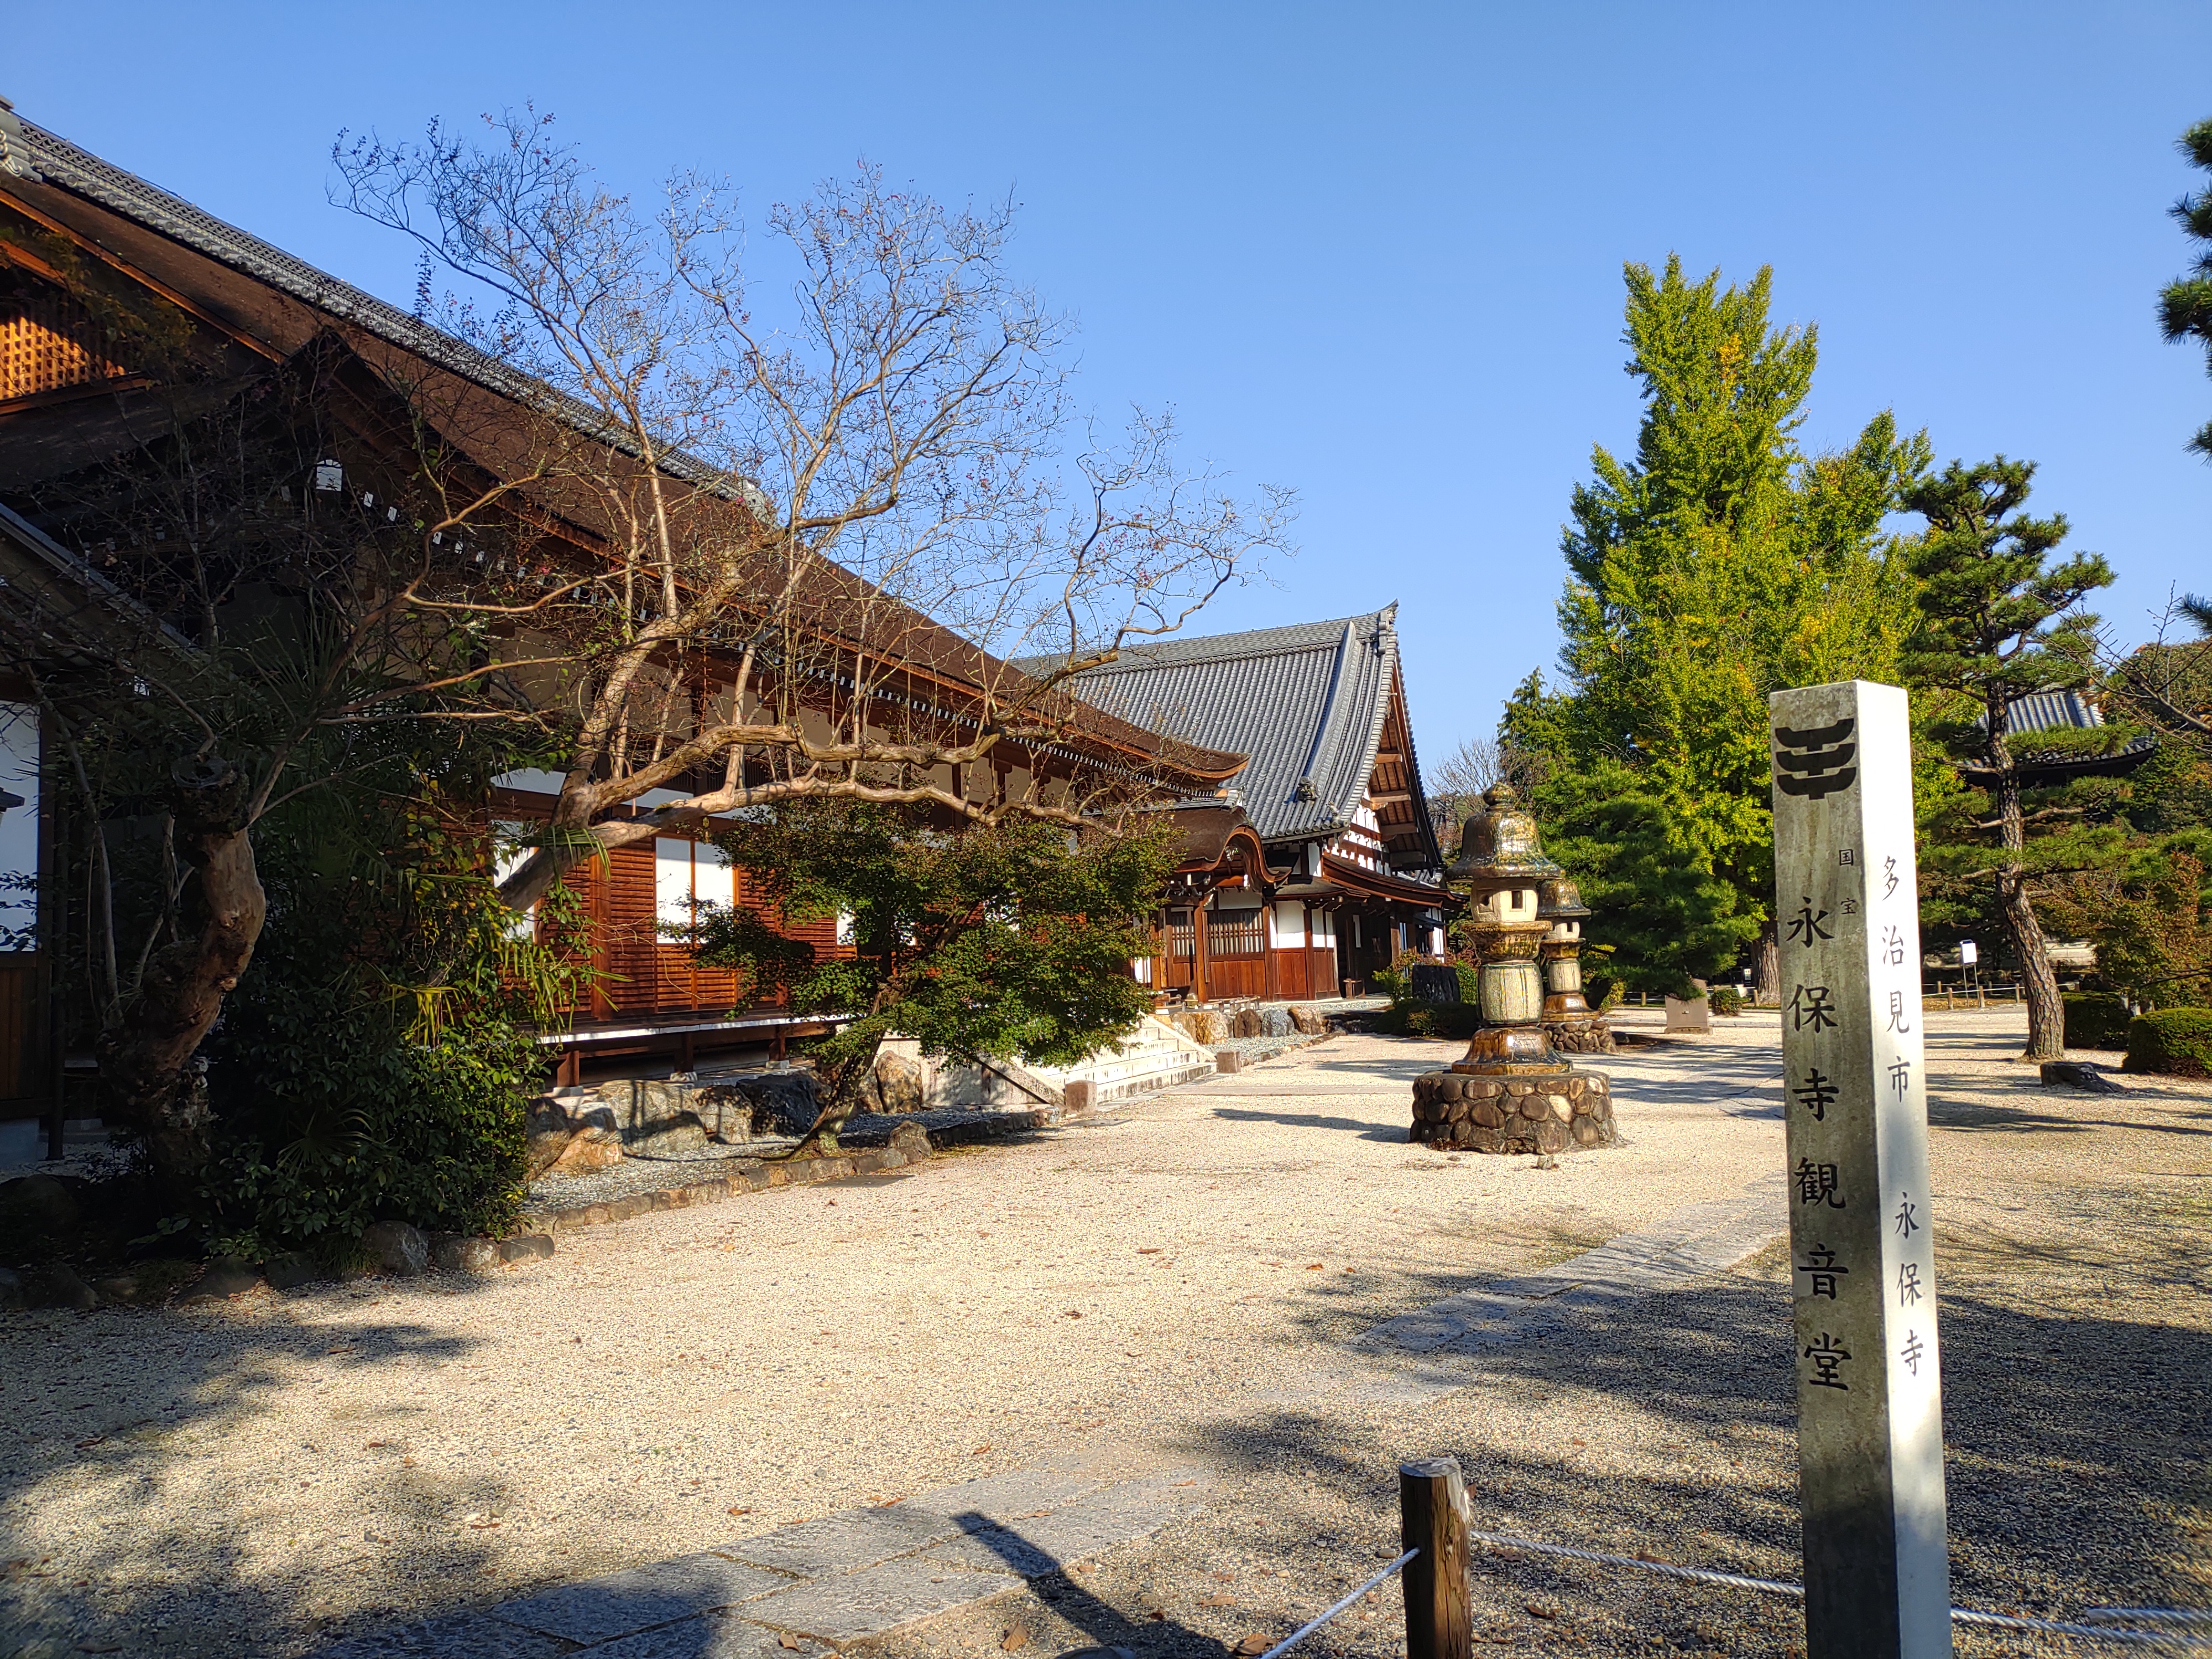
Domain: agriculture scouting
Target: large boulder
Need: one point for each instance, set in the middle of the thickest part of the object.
(42, 1204)
(463, 1253)
(901, 1083)
(1207, 1026)
(1309, 1019)
(1275, 1023)
(555, 1138)
(396, 1248)
(782, 1103)
(1248, 1024)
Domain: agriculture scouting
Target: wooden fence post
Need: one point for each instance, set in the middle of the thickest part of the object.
(1432, 1511)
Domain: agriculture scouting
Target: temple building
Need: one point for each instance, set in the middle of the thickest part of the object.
(1319, 864)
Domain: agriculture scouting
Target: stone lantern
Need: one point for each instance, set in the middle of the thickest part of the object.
(1513, 1092)
(1503, 871)
(1562, 952)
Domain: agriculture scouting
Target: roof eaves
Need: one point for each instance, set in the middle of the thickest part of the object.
(53, 159)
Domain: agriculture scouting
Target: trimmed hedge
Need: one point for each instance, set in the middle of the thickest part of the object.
(2096, 1020)
(1725, 999)
(2174, 1040)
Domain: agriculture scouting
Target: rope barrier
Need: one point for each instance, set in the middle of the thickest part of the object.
(1309, 1627)
(2100, 1631)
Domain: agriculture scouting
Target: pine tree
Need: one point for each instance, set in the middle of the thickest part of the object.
(2185, 305)
(1999, 620)
(1717, 564)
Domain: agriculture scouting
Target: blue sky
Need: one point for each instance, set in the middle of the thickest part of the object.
(1374, 253)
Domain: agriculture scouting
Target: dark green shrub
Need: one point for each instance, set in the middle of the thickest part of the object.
(2096, 1020)
(1725, 999)
(2175, 1041)
(375, 1061)
(1430, 1019)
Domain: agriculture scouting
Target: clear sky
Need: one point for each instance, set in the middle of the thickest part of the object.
(1371, 252)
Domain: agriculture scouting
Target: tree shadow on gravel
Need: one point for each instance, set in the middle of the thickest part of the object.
(119, 1533)
(2077, 1465)
(1364, 1129)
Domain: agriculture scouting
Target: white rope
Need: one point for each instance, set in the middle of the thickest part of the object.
(1309, 1628)
(2100, 1632)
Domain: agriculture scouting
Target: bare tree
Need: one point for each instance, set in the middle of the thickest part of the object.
(1456, 785)
(2167, 683)
(819, 525)
(653, 541)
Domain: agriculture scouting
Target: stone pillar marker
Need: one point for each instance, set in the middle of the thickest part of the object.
(1861, 1229)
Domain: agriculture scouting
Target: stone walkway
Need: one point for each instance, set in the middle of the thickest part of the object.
(862, 1572)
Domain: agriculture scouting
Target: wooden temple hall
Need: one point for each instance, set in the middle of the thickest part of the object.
(1318, 864)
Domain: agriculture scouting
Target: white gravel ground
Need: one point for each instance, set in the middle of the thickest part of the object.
(247, 1479)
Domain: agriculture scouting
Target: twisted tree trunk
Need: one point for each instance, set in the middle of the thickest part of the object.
(146, 1053)
(2046, 1012)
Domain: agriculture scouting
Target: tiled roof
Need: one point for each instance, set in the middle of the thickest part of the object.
(1306, 703)
(2066, 711)
(30, 150)
(2054, 711)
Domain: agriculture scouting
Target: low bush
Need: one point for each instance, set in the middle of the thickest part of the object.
(1725, 999)
(2096, 1019)
(1431, 1019)
(2177, 1041)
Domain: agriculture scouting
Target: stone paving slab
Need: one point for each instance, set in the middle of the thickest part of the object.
(878, 1598)
(845, 1542)
(711, 1636)
(1691, 1243)
(1048, 1542)
(455, 1636)
(1017, 1494)
(600, 1609)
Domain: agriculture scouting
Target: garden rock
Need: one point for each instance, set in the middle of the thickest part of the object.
(1275, 1023)
(911, 1141)
(396, 1248)
(527, 1247)
(1308, 1019)
(55, 1287)
(227, 1275)
(1248, 1024)
(783, 1102)
(901, 1083)
(290, 1270)
(2078, 1074)
(463, 1253)
(44, 1202)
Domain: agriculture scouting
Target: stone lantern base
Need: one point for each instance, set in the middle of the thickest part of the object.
(1582, 1036)
(1552, 1112)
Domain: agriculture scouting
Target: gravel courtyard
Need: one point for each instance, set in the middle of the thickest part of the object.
(260, 1476)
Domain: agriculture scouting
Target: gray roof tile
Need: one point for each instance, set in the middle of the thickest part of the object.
(1305, 702)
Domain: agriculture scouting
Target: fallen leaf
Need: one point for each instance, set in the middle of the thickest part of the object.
(979, 1451)
(1148, 1249)
(480, 1526)
(87, 1445)
(1075, 1313)
(787, 1641)
(1254, 1642)
(1221, 1599)
(1226, 1577)
(1016, 1639)
(1313, 1267)
(741, 1508)
(1578, 1442)
(1535, 1611)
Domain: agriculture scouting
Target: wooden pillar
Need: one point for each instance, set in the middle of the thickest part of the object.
(1861, 1226)
(1433, 1519)
(1197, 948)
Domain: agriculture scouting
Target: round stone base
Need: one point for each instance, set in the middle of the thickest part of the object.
(1584, 1037)
(1561, 1112)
